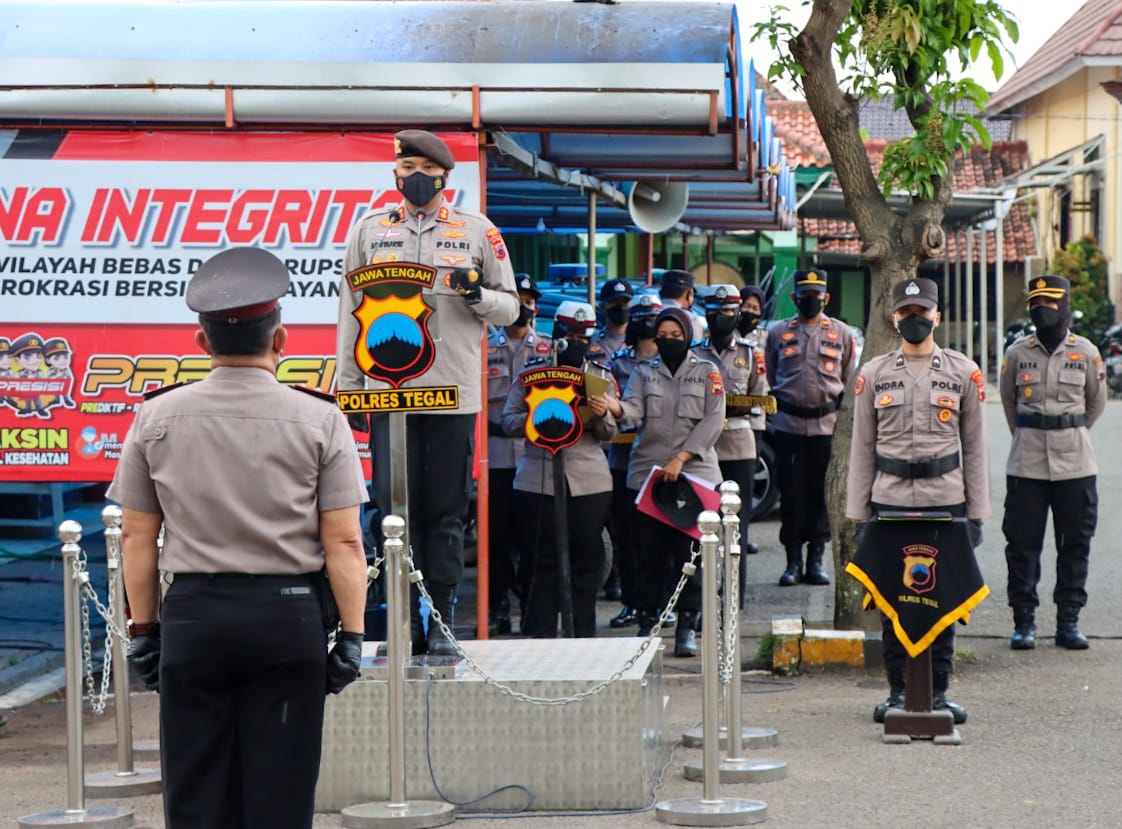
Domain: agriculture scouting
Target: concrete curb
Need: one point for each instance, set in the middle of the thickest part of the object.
(798, 647)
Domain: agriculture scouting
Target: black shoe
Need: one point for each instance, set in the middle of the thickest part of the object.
(1067, 629)
(612, 590)
(1023, 638)
(626, 618)
(895, 700)
(941, 703)
(815, 574)
(750, 549)
(646, 622)
(792, 575)
(685, 642)
(498, 625)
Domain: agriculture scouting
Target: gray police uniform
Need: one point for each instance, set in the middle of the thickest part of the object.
(240, 466)
(439, 445)
(677, 412)
(608, 342)
(505, 360)
(744, 373)
(589, 485)
(808, 367)
(919, 442)
(1050, 403)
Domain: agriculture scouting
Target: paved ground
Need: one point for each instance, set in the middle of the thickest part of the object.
(1040, 748)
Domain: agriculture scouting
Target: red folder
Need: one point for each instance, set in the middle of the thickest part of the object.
(706, 492)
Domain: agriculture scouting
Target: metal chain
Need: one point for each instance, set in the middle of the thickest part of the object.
(731, 629)
(416, 577)
(86, 593)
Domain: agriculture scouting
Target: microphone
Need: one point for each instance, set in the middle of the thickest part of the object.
(396, 216)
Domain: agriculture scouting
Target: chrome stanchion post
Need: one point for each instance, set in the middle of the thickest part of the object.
(750, 737)
(711, 809)
(73, 579)
(397, 811)
(126, 781)
(735, 767)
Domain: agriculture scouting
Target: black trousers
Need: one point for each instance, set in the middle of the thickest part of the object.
(801, 463)
(660, 552)
(438, 455)
(1075, 509)
(743, 472)
(537, 533)
(242, 683)
(623, 547)
(501, 550)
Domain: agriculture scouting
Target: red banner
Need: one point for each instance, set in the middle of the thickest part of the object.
(66, 407)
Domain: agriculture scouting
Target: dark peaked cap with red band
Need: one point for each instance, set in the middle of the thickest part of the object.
(238, 285)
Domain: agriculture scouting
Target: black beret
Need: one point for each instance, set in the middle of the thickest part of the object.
(28, 342)
(420, 143)
(237, 285)
(918, 291)
(1050, 286)
(675, 282)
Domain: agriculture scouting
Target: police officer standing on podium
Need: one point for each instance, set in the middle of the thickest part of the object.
(1052, 391)
(258, 487)
(508, 350)
(810, 358)
(919, 442)
(474, 284)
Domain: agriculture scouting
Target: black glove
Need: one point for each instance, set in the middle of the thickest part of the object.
(468, 283)
(344, 662)
(974, 527)
(144, 655)
(359, 421)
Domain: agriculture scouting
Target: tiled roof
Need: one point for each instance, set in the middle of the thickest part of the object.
(770, 92)
(880, 120)
(1094, 31)
(977, 169)
(796, 128)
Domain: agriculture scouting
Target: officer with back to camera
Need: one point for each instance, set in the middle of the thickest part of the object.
(1052, 391)
(810, 358)
(745, 374)
(589, 487)
(919, 443)
(258, 487)
(474, 284)
(508, 350)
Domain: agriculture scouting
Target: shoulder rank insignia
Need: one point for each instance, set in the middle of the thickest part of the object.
(148, 395)
(322, 395)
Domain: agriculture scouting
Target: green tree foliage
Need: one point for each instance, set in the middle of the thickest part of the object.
(1084, 264)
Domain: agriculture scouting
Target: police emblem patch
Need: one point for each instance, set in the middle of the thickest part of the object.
(859, 386)
(393, 344)
(552, 397)
(945, 415)
(885, 400)
(919, 568)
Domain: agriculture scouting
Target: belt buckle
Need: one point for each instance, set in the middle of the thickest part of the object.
(916, 469)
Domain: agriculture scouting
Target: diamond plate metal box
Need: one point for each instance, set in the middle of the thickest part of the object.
(603, 752)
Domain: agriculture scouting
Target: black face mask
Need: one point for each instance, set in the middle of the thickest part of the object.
(915, 329)
(573, 353)
(618, 314)
(671, 350)
(1045, 318)
(810, 305)
(721, 326)
(748, 323)
(641, 328)
(525, 316)
(420, 188)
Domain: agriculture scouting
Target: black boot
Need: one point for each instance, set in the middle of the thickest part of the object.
(444, 602)
(645, 619)
(794, 572)
(895, 694)
(1067, 629)
(626, 618)
(685, 635)
(1024, 629)
(815, 574)
(939, 702)
(750, 549)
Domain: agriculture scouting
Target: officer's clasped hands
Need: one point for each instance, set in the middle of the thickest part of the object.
(344, 662)
(468, 283)
(144, 655)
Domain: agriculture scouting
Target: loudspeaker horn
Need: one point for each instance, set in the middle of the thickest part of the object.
(657, 206)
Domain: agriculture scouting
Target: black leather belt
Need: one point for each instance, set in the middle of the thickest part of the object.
(918, 469)
(807, 412)
(1047, 421)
